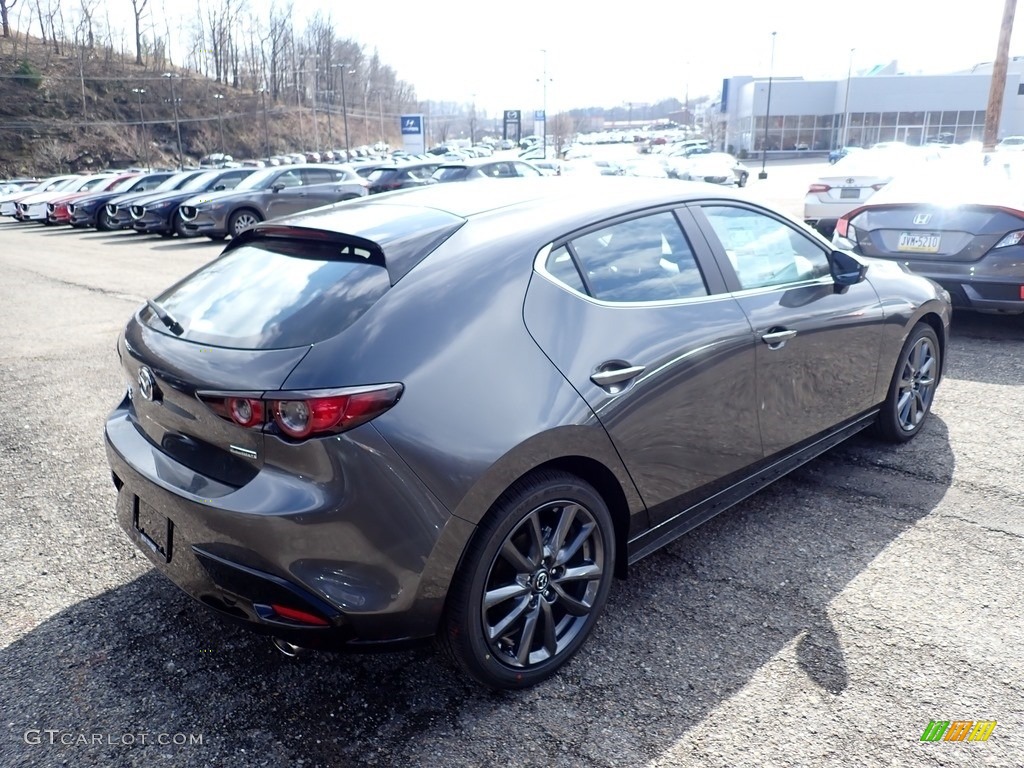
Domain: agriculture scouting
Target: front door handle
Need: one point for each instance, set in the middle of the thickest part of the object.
(777, 339)
(613, 376)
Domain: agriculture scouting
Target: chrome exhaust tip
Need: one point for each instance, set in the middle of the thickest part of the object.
(290, 650)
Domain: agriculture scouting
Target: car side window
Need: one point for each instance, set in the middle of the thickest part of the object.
(317, 176)
(289, 179)
(560, 266)
(642, 259)
(764, 251)
(526, 170)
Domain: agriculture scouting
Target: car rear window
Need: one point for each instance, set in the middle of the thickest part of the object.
(274, 293)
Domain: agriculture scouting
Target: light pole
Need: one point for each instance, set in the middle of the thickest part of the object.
(846, 102)
(177, 125)
(220, 119)
(767, 112)
(544, 106)
(380, 106)
(142, 125)
(344, 107)
(266, 131)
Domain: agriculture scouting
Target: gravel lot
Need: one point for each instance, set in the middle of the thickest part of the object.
(824, 622)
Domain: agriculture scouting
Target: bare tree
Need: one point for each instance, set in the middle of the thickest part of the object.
(5, 6)
(138, 8)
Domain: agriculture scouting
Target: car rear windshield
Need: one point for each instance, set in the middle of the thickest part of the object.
(274, 293)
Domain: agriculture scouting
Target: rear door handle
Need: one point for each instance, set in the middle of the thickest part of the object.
(608, 378)
(777, 339)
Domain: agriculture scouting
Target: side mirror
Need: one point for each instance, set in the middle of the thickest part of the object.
(219, 188)
(846, 269)
(277, 187)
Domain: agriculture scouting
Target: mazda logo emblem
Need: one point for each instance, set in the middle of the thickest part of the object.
(146, 383)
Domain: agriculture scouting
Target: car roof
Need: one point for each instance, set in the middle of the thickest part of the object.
(594, 197)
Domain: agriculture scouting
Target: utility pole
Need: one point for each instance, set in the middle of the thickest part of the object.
(177, 123)
(142, 126)
(995, 95)
(846, 103)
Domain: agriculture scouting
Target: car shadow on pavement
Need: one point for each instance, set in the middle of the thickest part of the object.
(694, 623)
(190, 243)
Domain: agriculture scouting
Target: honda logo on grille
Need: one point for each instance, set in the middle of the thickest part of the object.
(922, 218)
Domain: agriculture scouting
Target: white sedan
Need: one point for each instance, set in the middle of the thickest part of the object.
(853, 180)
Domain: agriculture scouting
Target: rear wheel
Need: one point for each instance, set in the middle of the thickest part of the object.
(913, 386)
(242, 220)
(743, 179)
(533, 582)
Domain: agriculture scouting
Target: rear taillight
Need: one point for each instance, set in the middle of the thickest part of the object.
(1012, 238)
(245, 412)
(306, 414)
(817, 188)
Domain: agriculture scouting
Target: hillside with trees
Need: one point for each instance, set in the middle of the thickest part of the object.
(77, 92)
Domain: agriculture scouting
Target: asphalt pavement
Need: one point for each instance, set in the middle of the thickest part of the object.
(824, 622)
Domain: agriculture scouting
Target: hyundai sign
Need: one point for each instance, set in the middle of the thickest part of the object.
(412, 134)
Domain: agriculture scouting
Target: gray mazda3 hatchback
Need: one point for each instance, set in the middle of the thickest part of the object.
(457, 412)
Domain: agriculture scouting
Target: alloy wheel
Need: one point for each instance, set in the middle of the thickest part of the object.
(244, 221)
(917, 385)
(542, 584)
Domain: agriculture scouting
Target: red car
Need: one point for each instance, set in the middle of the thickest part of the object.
(57, 210)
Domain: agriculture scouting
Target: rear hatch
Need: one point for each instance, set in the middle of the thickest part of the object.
(956, 234)
(238, 326)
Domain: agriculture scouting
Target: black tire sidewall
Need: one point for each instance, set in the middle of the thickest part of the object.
(466, 634)
(888, 419)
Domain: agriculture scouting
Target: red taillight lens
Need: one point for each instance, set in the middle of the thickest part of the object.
(245, 412)
(842, 227)
(318, 415)
(816, 188)
(300, 415)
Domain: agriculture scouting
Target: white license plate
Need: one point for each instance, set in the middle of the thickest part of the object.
(918, 242)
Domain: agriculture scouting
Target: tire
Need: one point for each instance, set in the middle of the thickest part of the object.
(912, 389)
(743, 179)
(103, 222)
(241, 220)
(217, 238)
(179, 224)
(553, 593)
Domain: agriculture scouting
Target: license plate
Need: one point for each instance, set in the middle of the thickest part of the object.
(849, 192)
(155, 530)
(918, 242)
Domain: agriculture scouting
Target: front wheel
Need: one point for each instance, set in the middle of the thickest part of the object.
(743, 179)
(533, 582)
(243, 220)
(912, 389)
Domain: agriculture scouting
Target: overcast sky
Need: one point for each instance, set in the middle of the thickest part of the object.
(605, 54)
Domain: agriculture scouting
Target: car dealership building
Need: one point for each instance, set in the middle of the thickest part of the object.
(882, 106)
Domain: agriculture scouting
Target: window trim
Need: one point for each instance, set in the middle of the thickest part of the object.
(733, 285)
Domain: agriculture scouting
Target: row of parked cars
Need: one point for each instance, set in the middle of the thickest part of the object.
(219, 202)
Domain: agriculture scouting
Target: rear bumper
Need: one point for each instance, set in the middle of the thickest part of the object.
(362, 544)
(994, 283)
